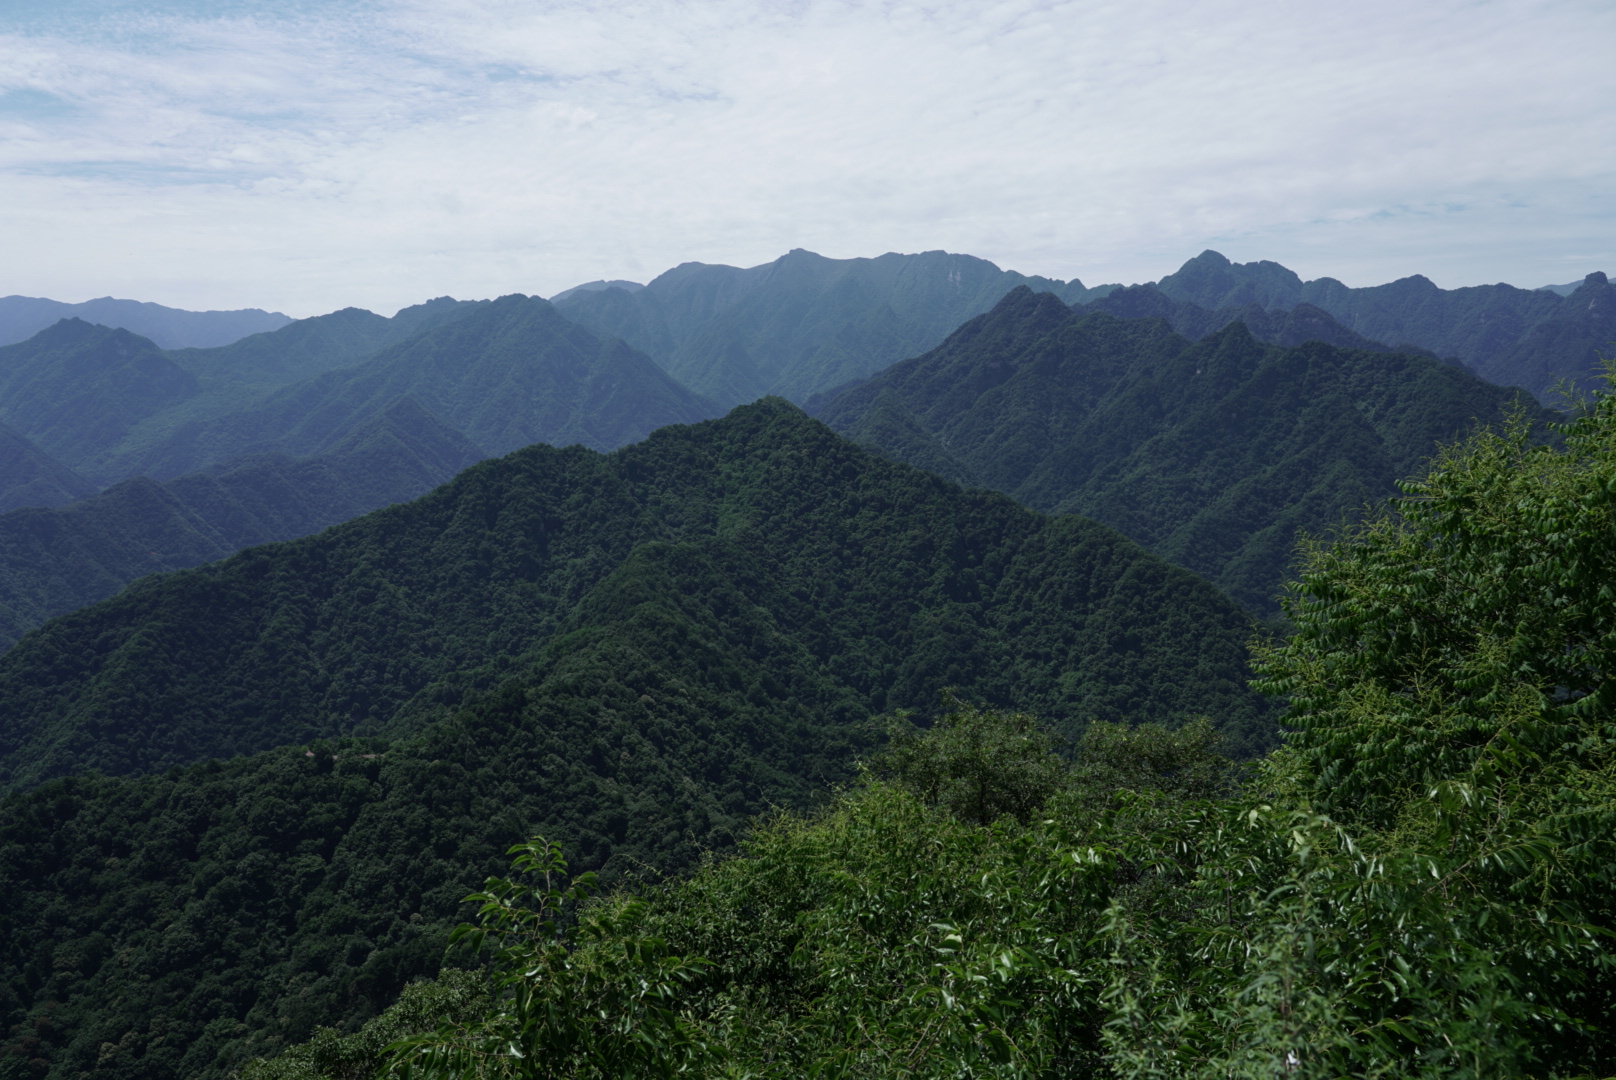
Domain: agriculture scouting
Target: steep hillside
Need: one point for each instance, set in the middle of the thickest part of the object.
(1573, 343)
(801, 324)
(1495, 329)
(899, 583)
(97, 398)
(1214, 453)
(77, 390)
(21, 317)
(629, 652)
(31, 477)
(55, 561)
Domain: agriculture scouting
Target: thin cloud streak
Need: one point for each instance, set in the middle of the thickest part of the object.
(380, 154)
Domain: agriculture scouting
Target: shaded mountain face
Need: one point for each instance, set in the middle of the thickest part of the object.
(629, 653)
(1571, 344)
(1491, 328)
(31, 477)
(862, 563)
(21, 317)
(56, 561)
(1215, 454)
(1282, 326)
(310, 347)
(77, 390)
(94, 398)
(509, 373)
(802, 324)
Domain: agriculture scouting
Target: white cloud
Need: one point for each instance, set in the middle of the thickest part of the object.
(306, 158)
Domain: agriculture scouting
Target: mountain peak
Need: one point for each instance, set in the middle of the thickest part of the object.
(1208, 258)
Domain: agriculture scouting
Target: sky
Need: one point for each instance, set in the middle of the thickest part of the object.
(306, 156)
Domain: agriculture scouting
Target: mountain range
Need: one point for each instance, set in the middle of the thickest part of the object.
(632, 652)
(1214, 453)
(21, 317)
(1507, 335)
(800, 325)
(327, 617)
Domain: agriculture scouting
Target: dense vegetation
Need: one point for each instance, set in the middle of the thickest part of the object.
(1417, 885)
(31, 477)
(280, 434)
(883, 584)
(802, 324)
(1513, 337)
(633, 653)
(1214, 453)
(54, 561)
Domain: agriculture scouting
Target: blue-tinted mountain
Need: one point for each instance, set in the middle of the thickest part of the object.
(58, 560)
(31, 477)
(802, 324)
(21, 317)
(509, 373)
(78, 391)
(313, 346)
(1279, 326)
(1213, 453)
(1491, 328)
(1571, 344)
(91, 396)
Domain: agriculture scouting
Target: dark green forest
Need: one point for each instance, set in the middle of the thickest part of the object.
(634, 653)
(1214, 453)
(54, 561)
(812, 762)
(1417, 884)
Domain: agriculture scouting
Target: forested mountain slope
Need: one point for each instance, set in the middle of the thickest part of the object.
(77, 391)
(1214, 453)
(1281, 326)
(21, 317)
(506, 374)
(57, 560)
(1512, 336)
(31, 477)
(313, 346)
(630, 652)
(96, 398)
(802, 324)
(899, 583)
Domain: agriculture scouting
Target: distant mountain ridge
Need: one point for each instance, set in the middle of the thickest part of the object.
(204, 452)
(21, 317)
(506, 374)
(799, 325)
(1508, 335)
(31, 477)
(1212, 453)
(53, 561)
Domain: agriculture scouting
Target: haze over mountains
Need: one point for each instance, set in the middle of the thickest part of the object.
(248, 788)
(21, 317)
(800, 325)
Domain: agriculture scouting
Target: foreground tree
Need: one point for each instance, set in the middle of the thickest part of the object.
(1421, 882)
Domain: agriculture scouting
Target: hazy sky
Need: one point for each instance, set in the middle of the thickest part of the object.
(304, 156)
